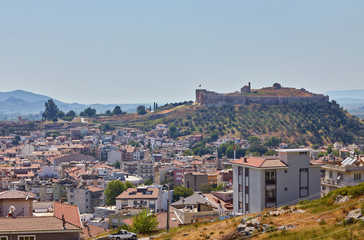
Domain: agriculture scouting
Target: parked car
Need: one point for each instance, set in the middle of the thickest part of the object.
(122, 234)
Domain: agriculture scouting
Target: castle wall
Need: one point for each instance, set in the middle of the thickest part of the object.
(212, 98)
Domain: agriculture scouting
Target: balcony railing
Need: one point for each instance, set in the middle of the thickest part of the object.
(339, 183)
(270, 181)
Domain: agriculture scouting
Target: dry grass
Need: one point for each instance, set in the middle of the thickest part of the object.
(308, 225)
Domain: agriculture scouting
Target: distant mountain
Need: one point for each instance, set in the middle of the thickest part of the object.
(352, 100)
(23, 103)
(353, 94)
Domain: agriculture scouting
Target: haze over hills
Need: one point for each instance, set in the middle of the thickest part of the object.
(352, 100)
(23, 102)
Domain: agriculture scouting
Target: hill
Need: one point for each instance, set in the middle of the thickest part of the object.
(21, 102)
(335, 216)
(357, 94)
(303, 123)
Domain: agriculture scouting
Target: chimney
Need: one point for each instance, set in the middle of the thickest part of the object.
(245, 159)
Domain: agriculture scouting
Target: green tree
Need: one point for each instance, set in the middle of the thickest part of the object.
(108, 113)
(187, 152)
(16, 140)
(214, 136)
(181, 191)
(206, 188)
(71, 113)
(172, 131)
(60, 114)
(117, 165)
(144, 222)
(89, 112)
(141, 110)
(117, 110)
(113, 189)
(149, 182)
(51, 111)
(134, 143)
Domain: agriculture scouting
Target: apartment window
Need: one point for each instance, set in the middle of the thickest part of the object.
(270, 195)
(26, 237)
(357, 177)
(3, 238)
(331, 174)
(270, 177)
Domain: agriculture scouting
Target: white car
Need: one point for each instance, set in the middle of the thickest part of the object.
(123, 234)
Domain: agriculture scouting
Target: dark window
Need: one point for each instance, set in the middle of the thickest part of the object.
(270, 177)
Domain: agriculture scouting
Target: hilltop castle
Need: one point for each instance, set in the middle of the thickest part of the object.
(275, 95)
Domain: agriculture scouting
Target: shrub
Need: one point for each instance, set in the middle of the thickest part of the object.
(322, 222)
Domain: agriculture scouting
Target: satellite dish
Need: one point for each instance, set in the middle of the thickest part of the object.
(26, 198)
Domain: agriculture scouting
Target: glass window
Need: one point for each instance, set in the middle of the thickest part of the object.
(26, 237)
(357, 177)
(270, 177)
(3, 238)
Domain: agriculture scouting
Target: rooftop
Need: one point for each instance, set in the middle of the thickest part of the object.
(261, 162)
(15, 194)
(34, 224)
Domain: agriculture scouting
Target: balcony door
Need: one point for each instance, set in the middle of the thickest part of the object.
(303, 182)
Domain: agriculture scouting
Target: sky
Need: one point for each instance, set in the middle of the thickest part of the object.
(90, 51)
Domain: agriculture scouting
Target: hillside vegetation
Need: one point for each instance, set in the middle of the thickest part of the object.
(302, 123)
(323, 218)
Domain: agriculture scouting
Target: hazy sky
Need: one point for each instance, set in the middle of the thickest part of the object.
(145, 51)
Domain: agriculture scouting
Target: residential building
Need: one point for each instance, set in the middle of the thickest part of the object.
(22, 201)
(86, 198)
(195, 208)
(263, 182)
(195, 180)
(140, 197)
(349, 173)
(38, 228)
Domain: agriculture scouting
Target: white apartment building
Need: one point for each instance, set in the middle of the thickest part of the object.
(349, 173)
(263, 182)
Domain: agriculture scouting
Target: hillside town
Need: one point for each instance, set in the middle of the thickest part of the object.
(60, 181)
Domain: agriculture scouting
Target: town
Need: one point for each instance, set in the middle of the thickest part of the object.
(86, 178)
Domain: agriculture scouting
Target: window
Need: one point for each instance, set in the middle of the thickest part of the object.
(330, 174)
(270, 195)
(270, 177)
(357, 177)
(26, 237)
(3, 238)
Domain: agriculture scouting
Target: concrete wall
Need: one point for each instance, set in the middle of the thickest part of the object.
(20, 205)
(236, 189)
(256, 190)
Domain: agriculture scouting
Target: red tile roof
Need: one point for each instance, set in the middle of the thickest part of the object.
(34, 224)
(70, 212)
(260, 162)
(138, 195)
(15, 194)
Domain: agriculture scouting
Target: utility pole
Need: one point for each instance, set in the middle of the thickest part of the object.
(167, 226)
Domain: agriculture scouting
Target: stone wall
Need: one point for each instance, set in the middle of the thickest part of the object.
(205, 97)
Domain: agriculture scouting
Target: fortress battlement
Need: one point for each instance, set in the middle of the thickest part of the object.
(275, 95)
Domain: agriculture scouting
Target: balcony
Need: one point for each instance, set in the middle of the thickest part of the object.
(270, 181)
(339, 183)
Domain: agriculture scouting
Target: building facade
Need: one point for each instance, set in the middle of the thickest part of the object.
(263, 182)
